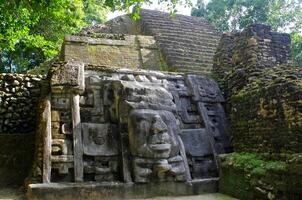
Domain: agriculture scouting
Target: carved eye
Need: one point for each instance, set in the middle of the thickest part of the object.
(142, 124)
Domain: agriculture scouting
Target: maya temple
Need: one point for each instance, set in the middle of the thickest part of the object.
(161, 106)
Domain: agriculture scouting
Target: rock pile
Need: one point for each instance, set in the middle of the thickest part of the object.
(19, 95)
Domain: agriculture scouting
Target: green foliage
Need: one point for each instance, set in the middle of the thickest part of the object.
(254, 163)
(233, 15)
(32, 31)
(215, 11)
(296, 47)
(136, 4)
(95, 11)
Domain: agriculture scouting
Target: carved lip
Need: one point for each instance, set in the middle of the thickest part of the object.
(160, 147)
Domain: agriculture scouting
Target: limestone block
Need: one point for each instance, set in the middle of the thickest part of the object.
(147, 42)
(70, 74)
(150, 59)
(99, 139)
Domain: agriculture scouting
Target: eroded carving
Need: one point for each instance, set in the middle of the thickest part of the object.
(137, 126)
(154, 146)
(99, 139)
(149, 134)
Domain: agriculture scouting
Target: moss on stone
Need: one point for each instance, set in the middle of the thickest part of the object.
(102, 35)
(255, 163)
(163, 65)
(258, 176)
(266, 111)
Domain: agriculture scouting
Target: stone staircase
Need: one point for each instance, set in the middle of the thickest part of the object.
(188, 43)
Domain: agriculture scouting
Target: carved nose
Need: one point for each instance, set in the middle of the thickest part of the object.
(158, 125)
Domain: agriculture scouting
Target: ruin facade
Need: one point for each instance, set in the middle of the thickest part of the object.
(106, 127)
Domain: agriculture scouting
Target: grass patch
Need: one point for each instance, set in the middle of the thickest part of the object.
(255, 163)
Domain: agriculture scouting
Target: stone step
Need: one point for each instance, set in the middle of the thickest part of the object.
(185, 45)
(188, 41)
(192, 66)
(171, 47)
(188, 61)
(200, 60)
(204, 52)
(192, 70)
(192, 54)
(195, 70)
(176, 23)
(117, 190)
(197, 37)
(182, 18)
(180, 29)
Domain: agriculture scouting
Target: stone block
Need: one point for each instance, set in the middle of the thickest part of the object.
(147, 42)
(69, 74)
(150, 59)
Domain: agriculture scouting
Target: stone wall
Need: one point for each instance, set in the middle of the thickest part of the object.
(266, 114)
(19, 95)
(16, 156)
(251, 176)
(113, 50)
(256, 46)
(262, 89)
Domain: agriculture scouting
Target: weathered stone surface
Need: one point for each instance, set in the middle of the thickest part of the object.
(19, 94)
(268, 112)
(256, 46)
(69, 74)
(187, 44)
(128, 51)
(135, 126)
(99, 139)
(261, 176)
(16, 156)
(119, 25)
(263, 91)
(105, 191)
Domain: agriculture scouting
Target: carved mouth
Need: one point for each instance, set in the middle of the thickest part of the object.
(160, 147)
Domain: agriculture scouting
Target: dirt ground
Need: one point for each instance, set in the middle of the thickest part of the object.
(12, 193)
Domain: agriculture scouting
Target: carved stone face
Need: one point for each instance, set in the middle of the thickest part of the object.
(152, 134)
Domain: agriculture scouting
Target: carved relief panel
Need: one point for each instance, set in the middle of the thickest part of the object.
(61, 144)
(100, 149)
(138, 126)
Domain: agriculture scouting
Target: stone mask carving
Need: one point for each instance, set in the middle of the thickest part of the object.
(152, 134)
(135, 126)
